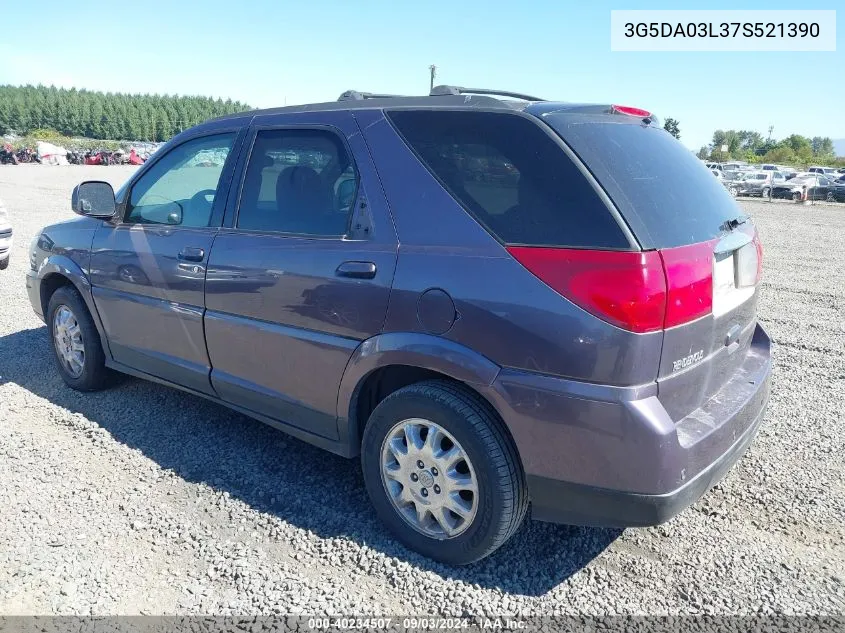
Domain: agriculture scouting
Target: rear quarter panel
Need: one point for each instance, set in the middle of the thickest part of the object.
(502, 311)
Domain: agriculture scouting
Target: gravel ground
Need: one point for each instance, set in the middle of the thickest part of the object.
(142, 499)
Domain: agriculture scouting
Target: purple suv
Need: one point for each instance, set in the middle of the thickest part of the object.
(496, 303)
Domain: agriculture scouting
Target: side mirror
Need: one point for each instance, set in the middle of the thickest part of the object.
(94, 199)
(345, 193)
(174, 216)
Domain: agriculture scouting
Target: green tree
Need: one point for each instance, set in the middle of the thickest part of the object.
(671, 126)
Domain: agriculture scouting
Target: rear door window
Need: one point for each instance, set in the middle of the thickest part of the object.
(512, 177)
(298, 181)
(658, 185)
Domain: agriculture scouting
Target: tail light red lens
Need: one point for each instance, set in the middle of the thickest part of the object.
(627, 289)
(689, 280)
(637, 291)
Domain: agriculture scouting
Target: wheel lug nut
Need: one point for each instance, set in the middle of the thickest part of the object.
(437, 489)
(434, 472)
(420, 464)
(424, 492)
(414, 477)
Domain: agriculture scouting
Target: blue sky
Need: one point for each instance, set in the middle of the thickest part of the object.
(281, 52)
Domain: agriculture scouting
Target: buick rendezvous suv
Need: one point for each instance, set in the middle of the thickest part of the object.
(497, 302)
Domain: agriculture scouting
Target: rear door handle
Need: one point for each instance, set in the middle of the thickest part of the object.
(356, 270)
(192, 254)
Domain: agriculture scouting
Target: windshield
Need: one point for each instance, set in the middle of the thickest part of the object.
(664, 192)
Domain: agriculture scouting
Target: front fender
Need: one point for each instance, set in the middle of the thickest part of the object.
(411, 349)
(64, 266)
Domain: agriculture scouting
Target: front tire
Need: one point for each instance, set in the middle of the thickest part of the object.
(76, 342)
(442, 472)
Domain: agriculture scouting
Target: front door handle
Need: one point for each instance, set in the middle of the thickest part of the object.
(356, 270)
(192, 254)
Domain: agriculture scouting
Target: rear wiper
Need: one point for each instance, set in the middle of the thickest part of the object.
(730, 225)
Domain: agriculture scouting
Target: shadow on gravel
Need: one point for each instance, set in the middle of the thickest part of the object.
(273, 473)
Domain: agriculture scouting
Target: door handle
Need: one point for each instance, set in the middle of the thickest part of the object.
(356, 270)
(191, 254)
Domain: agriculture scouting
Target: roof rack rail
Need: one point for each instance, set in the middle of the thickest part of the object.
(459, 90)
(354, 95)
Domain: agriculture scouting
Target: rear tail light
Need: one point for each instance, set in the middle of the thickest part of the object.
(636, 291)
(627, 289)
(689, 280)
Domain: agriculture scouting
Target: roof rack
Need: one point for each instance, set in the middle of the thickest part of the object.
(459, 90)
(354, 95)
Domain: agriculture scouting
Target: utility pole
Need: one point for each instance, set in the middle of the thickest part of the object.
(771, 129)
(433, 71)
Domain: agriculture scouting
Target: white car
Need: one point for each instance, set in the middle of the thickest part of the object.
(5, 237)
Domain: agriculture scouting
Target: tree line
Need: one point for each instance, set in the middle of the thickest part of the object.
(750, 146)
(98, 115)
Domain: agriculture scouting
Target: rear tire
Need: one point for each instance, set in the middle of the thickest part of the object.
(473, 440)
(4, 263)
(76, 342)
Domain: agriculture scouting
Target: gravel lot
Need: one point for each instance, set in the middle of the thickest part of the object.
(143, 499)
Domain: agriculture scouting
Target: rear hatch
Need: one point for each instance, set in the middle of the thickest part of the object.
(710, 251)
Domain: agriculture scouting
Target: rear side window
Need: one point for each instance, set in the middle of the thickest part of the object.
(659, 186)
(514, 179)
(300, 181)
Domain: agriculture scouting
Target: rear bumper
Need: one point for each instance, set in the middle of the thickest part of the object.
(579, 504)
(613, 457)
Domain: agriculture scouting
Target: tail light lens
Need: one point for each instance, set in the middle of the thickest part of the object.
(627, 289)
(689, 280)
(637, 291)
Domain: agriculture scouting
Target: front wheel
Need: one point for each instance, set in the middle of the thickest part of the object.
(442, 473)
(796, 196)
(765, 192)
(76, 342)
(733, 191)
(830, 197)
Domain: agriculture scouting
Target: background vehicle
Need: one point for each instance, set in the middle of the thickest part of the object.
(555, 331)
(5, 237)
(824, 171)
(805, 187)
(759, 183)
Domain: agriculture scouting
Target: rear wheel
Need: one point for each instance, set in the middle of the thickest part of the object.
(442, 473)
(796, 196)
(76, 342)
(765, 192)
(830, 197)
(733, 191)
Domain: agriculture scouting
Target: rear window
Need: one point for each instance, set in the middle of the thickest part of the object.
(658, 185)
(512, 177)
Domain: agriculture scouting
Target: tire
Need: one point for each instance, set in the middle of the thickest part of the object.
(796, 197)
(473, 429)
(733, 191)
(764, 193)
(94, 375)
(830, 197)
(4, 263)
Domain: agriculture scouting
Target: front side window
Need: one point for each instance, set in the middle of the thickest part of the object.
(180, 188)
(299, 181)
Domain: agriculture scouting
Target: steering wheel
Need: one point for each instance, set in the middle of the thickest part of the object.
(200, 206)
